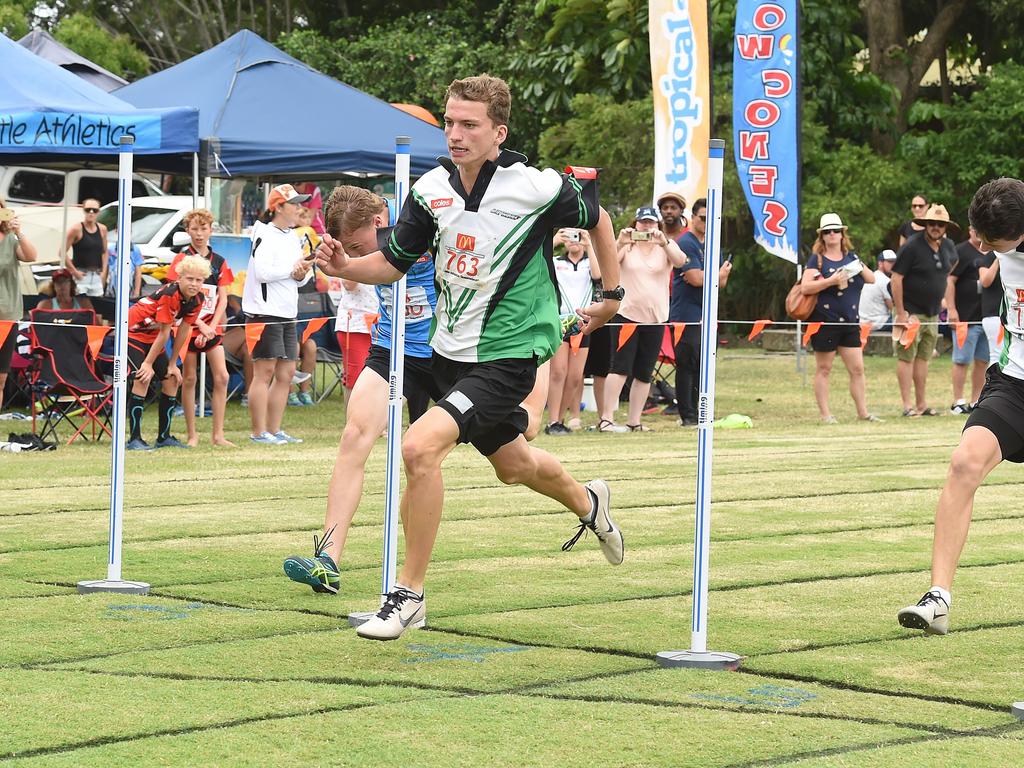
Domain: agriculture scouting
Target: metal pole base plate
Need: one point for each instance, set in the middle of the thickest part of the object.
(361, 617)
(106, 585)
(1018, 710)
(715, 660)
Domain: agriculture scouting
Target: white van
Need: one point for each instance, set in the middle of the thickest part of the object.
(24, 185)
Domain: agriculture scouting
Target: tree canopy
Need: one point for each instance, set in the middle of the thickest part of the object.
(899, 96)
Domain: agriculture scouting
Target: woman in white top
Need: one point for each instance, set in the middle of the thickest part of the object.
(270, 297)
(575, 272)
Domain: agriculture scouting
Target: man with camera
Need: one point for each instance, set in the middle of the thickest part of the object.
(687, 299)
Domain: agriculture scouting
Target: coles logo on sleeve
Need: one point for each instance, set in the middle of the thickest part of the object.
(465, 242)
(441, 202)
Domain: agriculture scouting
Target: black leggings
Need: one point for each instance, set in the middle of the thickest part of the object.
(688, 371)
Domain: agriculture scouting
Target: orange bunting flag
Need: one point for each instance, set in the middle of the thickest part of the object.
(625, 331)
(574, 342)
(961, 334)
(677, 333)
(812, 328)
(999, 339)
(5, 329)
(759, 326)
(253, 332)
(313, 326)
(865, 331)
(95, 334)
(913, 325)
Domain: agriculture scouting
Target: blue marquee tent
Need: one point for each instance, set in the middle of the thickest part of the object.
(49, 115)
(263, 113)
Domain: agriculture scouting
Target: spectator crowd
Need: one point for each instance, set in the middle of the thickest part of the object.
(934, 282)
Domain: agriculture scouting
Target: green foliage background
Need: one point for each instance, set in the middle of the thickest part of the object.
(580, 74)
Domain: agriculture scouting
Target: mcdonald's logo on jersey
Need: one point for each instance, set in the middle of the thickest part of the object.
(1020, 295)
(465, 242)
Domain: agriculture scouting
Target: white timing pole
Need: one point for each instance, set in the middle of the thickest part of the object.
(392, 480)
(114, 582)
(698, 655)
(393, 491)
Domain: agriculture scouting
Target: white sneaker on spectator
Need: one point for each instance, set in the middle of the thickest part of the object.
(284, 437)
(265, 438)
(300, 377)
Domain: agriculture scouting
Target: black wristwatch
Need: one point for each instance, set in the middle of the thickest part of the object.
(615, 295)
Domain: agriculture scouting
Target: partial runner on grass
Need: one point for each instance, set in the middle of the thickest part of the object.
(994, 431)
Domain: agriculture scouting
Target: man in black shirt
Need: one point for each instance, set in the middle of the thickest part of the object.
(963, 302)
(918, 287)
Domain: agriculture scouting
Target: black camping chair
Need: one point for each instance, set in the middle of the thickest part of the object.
(65, 385)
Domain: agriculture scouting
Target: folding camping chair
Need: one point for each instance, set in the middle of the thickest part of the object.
(663, 391)
(65, 385)
(330, 369)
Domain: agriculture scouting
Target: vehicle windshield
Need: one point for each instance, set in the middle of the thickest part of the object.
(146, 221)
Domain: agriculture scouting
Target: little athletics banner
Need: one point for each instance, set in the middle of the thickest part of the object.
(766, 120)
(681, 75)
(76, 131)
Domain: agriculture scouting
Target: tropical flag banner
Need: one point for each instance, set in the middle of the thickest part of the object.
(766, 120)
(681, 75)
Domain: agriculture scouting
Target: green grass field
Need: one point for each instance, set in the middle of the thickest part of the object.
(533, 657)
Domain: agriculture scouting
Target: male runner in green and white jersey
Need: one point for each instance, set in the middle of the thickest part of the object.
(994, 431)
(488, 218)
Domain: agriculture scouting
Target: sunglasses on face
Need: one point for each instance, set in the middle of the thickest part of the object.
(831, 231)
(702, 217)
(935, 225)
(919, 205)
(91, 210)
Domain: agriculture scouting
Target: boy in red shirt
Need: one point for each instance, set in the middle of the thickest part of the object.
(208, 330)
(150, 321)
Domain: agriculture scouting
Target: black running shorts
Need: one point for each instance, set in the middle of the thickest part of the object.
(418, 383)
(1000, 410)
(484, 398)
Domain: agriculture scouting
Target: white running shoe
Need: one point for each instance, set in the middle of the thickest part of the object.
(930, 614)
(284, 437)
(604, 527)
(402, 609)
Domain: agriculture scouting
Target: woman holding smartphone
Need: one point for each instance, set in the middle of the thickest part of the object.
(836, 275)
(646, 258)
(270, 297)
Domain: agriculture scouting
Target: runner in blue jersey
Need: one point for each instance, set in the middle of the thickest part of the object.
(358, 218)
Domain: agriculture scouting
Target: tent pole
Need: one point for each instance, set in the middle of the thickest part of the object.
(195, 179)
(64, 230)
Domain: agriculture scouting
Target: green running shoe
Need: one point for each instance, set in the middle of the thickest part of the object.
(320, 572)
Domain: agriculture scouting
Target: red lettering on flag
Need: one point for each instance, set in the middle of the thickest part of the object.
(755, 46)
(762, 113)
(762, 180)
(441, 202)
(754, 145)
(769, 16)
(778, 83)
(465, 242)
(775, 213)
